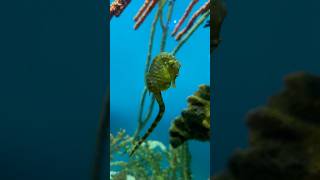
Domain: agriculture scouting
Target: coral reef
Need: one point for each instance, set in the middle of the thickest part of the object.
(117, 7)
(284, 136)
(194, 122)
(152, 160)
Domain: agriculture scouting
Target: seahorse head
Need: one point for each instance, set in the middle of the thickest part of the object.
(173, 66)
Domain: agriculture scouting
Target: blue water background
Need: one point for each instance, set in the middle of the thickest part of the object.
(128, 51)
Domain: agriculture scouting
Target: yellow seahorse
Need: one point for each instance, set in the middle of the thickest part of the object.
(161, 75)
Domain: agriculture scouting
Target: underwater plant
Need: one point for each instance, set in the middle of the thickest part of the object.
(153, 160)
(284, 136)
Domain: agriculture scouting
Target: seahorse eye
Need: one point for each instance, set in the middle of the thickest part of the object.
(174, 64)
(171, 63)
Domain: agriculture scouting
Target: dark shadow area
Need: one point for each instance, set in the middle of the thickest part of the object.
(52, 86)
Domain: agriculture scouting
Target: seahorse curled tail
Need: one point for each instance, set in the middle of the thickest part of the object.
(159, 99)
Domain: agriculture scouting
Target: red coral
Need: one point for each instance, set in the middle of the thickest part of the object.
(117, 7)
(144, 11)
(184, 17)
(199, 12)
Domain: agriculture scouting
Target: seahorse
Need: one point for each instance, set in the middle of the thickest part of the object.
(161, 75)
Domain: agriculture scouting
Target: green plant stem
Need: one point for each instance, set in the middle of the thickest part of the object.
(153, 100)
(165, 26)
(173, 163)
(186, 161)
(190, 32)
(161, 17)
(151, 39)
(140, 122)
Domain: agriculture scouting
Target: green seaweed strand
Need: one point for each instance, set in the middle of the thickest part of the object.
(165, 26)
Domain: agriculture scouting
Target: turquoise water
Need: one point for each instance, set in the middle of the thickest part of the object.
(128, 51)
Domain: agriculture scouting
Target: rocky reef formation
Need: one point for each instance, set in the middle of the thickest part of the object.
(284, 136)
(194, 122)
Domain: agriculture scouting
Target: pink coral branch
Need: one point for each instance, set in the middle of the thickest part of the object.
(141, 10)
(146, 11)
(184, 17)
(199, 12)
(117, 7)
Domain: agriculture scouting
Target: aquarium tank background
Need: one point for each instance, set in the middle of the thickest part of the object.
(128, 53)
